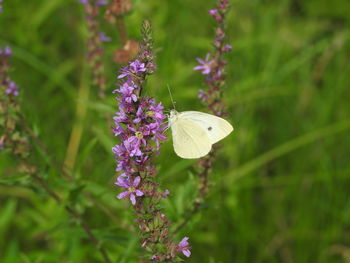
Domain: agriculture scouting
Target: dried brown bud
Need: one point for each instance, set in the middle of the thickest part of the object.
(128, 52)
(117, 8)
(144, 244)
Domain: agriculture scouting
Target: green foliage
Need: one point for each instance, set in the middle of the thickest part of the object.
(280, 188)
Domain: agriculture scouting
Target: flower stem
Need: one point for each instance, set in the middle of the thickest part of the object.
(121, 29)
(78, 127)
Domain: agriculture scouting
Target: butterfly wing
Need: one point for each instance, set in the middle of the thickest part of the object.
(217, 128)
(189, 139)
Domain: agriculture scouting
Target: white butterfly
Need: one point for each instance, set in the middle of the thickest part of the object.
(195, 132)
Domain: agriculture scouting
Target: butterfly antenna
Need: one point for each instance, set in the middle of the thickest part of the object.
(171, 97)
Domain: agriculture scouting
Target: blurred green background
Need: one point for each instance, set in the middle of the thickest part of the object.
(280, 188)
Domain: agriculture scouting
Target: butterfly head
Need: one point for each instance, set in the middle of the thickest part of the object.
(173, 116)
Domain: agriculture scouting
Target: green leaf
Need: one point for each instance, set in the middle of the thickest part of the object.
(7, 215)
(75, 193)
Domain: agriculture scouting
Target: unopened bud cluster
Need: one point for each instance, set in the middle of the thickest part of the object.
(11, 137)
(213, 66)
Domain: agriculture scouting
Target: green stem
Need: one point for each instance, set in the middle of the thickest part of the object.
(78, 127)
(122, 29)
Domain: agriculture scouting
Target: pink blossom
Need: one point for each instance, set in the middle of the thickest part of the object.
(184, 247)
(132, 188)
(206, 65)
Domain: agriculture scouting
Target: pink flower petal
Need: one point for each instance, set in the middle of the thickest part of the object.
(201, 61)
(187, 253)
(198, 68)
(136, 181)
(206, 71)
(213, 12)
(183, 242)
(122, 182)
(122, 75)
(132, 199)
(139, 193)
(123, 195)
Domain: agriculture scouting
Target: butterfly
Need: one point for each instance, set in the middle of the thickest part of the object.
(195, 132)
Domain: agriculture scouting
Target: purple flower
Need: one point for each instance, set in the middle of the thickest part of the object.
(138, 136)
(205, 66)
(202, 95)
(125, 72)
(138, 122)
(132, 188)
(227, 48)
(132, 148)
(118, 150)
(133, 143)
(103, 37)
(223, 4)
(127, 90)
(12, 89)
(140, 126)
(102, 2)
(165, 193)
(213, 12)
(135, 68)
(118, 129)
(120, 117)
(156, 112)
(140, 115)
(99, 2)
(214, 67)
(123, 159)
(7, 52)
(184, 247)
